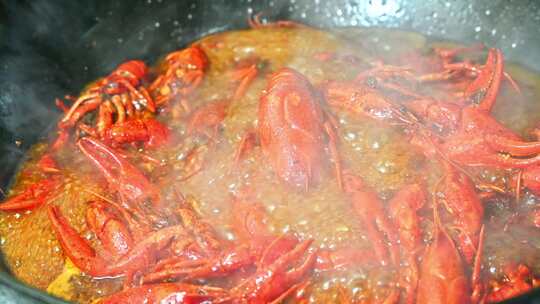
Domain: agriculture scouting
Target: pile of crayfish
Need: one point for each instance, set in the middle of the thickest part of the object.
(428, 235)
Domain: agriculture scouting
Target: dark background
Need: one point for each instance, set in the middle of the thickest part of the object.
(51, 48)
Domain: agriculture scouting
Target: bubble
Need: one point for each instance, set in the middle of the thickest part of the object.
(350, 136)
(326, 285)
(286, 229)
(230, 236)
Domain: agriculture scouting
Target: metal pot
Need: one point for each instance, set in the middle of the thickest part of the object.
(51, 48)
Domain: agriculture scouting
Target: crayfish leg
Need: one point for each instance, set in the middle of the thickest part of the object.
(334, 152)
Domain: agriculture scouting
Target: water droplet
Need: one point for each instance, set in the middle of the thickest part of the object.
(434, 15)
(190, 16)
(488, 12)
(447, 4)
(250, 10)
(176, 23)
(478, 29)
(193, 5)
(120, 40)
(157, 24)
(493, 32)
(303, 15)
(514, 45)
(339, 12)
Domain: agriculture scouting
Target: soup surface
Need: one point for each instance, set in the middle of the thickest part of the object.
(428, 178)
